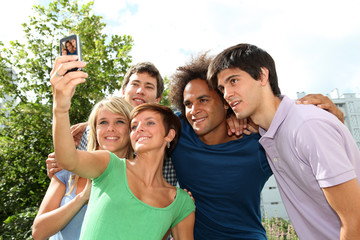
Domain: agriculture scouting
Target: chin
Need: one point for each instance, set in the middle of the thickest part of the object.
(200, 132)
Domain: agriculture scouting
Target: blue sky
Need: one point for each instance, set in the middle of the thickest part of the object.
(315, 43)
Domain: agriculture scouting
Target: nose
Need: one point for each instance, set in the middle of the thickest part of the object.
(227, 94)
(140, 90)
(111, 128)
(194, 109)
(140, 127)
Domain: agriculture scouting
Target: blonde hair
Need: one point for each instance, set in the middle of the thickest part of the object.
(115, 105)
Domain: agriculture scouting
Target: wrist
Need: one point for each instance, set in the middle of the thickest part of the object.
(57, 110)
(82, 199)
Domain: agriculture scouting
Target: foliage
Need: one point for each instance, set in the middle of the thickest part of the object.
(25, 140)
(279, 229)
(165, 99)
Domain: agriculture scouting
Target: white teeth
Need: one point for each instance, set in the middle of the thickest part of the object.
(142, 138)
(112, 138)
(199, 120)
(139, 100)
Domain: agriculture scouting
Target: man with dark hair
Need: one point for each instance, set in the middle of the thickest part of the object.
(225, 174)
(313, 156)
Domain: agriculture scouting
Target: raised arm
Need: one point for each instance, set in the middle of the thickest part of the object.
(85, 164)
(345, 200)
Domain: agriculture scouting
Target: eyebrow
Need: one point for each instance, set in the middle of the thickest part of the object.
(198, 98)
(120, 117)
(230, 77)
(146, 83)
(148, 118)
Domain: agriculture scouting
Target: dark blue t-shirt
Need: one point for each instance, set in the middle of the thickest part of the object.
(226, 181)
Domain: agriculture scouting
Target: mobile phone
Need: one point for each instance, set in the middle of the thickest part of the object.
(71, 45)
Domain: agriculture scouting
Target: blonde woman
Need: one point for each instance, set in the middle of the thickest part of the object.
(62, 210)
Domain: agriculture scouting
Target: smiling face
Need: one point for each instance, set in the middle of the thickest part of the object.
(70, 47)
(112, 132)
(204, 108)
(241, 91)
(148, 132)
(142, 88)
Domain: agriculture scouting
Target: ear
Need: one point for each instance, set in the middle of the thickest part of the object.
(171, 135)
(264, 76)
(158, 99)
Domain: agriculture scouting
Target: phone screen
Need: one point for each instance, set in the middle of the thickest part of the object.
(70, 45)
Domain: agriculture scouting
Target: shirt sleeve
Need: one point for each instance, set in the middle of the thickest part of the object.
(322, 145)
(63, 176)
(186, 206)
(84, 140)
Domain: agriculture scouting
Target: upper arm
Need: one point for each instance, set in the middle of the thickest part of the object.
(91, 164)
(345, 200)
(185, 228)
(53, 196)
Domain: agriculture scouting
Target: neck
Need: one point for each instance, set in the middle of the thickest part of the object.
(217, 136)
(121, 153)
(266, 111)
(148, 166)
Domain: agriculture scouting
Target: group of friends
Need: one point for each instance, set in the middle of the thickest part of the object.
(232, 130)
(69, 48)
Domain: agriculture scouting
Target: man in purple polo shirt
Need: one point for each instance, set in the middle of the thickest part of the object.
(313, 156)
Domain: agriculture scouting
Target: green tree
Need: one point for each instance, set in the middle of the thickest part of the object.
(165, 98)
(25, 140)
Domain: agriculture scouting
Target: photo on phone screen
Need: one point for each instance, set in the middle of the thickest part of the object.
(71, 45)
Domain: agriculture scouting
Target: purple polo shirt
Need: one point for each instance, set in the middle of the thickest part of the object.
(309, 149)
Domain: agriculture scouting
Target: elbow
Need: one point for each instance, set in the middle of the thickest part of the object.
(65, 166)
(36, 234)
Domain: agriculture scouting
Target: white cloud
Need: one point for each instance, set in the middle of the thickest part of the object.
(314, 43)
(13, 14)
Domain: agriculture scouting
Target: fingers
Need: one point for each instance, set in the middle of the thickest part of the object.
(51, 165)
(323, 102)
(314, 99)
(64, 87)
(251, 127)
(85, 194)
(78, 128)
(234, 125)
(190, 194)
(61, 60)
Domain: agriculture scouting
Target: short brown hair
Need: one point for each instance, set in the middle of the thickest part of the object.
(169, 119)
(145, 67)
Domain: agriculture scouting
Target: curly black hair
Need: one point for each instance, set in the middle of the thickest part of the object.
(196, 68)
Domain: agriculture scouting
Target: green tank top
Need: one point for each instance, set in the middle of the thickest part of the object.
(115, 213)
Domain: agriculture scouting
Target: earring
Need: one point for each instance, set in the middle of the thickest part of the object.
(168, 145)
